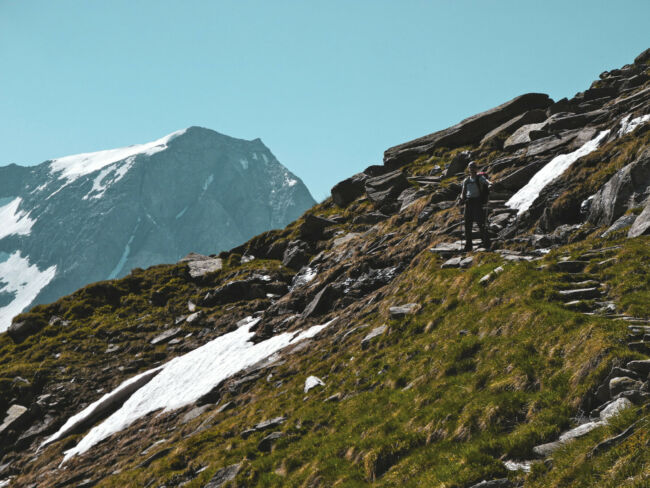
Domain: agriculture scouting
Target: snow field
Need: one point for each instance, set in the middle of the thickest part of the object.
(185, 379)
(72, 167)
(22, 280)
(14, 221)
(524, 198)
(628, 125)
(100, 186)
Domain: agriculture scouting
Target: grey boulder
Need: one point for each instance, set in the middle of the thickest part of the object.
(495, 137)
(641, 225)
(386, 188)
(23, 328)
(624, 383)
(223, 476)
(497, 483)
(349, 189)
(403, 310)
(459, 163)
(365, 342)
(14, 413)
(200, 265)
(626, 189)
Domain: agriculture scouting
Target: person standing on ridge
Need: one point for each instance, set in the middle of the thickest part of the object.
(474, 195)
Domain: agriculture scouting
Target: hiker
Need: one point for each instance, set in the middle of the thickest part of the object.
(474, 195)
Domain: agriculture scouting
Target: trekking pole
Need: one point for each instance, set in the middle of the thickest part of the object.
(458, 202)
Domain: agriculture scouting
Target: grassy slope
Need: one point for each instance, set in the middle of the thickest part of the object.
(434, 407)
(429, 405)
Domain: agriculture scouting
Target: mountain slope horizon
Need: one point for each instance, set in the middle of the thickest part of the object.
(361, 345)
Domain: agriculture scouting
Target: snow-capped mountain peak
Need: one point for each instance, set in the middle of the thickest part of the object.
(95, 216)
(77, 165)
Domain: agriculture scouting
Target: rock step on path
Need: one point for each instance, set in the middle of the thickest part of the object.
(580, 294)
(571, 266)
(623, 386)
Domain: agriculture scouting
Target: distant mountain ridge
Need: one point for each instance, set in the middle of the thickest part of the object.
(94, 216)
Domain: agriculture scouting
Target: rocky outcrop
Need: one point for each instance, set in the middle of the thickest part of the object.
(401, 311)
(383, 190)
(264, 425)
(628, 188)
(458, 163)
(322, 302)
(551, 127)
(469, 131)
(495, 138)
(25, 326)
(200, 265)
(518, 178)
(12, 416)
(349, 189)
(223, 476)
(641, 225)
(370, 337)
(249, 288)
(296, 254)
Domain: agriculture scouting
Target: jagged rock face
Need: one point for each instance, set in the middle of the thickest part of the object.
(84, 218)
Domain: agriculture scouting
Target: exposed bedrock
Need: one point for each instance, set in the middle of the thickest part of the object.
(628, 188)
(469, 131)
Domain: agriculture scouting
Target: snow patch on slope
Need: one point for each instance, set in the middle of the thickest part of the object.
(181, 213)
(14, 221)
(289, 181)
(77, 420)
(24, 282)
(102, 183)
(186, 378)
(208, 181)
(524, 198)
(72, 167)
(628, 125)
(125, 254)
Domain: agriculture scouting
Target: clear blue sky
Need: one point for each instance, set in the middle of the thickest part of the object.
(327, 85)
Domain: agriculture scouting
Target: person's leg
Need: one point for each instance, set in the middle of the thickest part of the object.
(468, 227)
(485, 237)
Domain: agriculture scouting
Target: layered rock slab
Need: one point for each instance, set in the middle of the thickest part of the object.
(469, 131)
